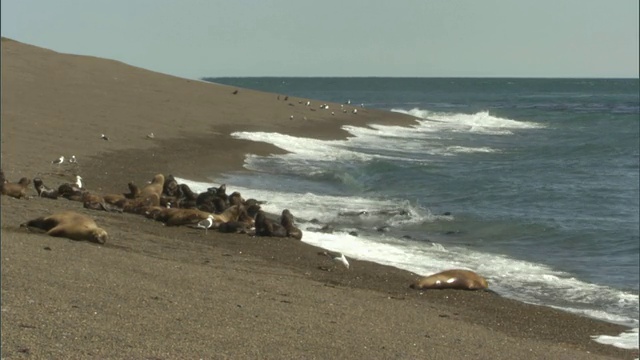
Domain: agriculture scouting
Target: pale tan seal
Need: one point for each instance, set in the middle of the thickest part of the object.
(71, 225)
(452, 279)
(155, 187)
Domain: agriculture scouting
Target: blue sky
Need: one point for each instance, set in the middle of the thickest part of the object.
(421, 38)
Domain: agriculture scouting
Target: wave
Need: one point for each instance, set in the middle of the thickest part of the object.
(481, 122)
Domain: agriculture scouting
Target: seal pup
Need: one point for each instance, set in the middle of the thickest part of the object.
(17, 190)
(336, 257)
(69, 224)
(170, 186)
(452, 279)
(43, 190)
(286, 220)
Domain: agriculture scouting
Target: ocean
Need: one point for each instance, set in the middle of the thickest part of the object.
(533, 183)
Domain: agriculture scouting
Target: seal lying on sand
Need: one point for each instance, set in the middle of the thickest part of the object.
(17, 190)
(43, 190)
(267, 227)
(71, 225)
(452, 279)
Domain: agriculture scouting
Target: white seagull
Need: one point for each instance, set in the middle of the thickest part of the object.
(337, 257)
(79, 181)
(206, 223)
(58, 161)
(73, 160)
(104, 137)
(150, 136)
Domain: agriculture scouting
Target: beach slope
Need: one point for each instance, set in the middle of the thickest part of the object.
(156, 292)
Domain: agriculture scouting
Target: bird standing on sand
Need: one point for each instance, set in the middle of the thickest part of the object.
(73, 160)
(104, 137)
(150, 136)
(235, 92)
(205, 224)
(79, 181)
(337, 257)
(58, 161)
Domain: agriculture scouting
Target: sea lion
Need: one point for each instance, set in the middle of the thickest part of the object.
(134, 191)
(71, 225)
(43, 190)
(238, 227)
(286, 220)
(155, 187)
(17, 190)
(70, 191)
(452, 279)
(267, 227)
(170, 187)
(176, 216)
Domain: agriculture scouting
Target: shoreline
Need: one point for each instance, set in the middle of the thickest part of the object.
(167, 292)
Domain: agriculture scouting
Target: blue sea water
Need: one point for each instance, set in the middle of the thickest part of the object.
(533, 183)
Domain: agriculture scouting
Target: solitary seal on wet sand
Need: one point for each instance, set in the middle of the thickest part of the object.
(71, 225)
(452, 279)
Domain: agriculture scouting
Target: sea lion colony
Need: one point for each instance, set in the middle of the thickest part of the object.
(173, 204)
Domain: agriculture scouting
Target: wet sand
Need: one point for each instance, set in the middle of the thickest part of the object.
(156, 292)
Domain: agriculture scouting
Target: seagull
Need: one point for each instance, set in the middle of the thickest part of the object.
(150, 136)
(355, 111)
(104, 137)
(206, 223)
(291, 117)
(337, 257)
(73, 160)
(308, 103)
(235, 92)
(79, 181)
(58, 161)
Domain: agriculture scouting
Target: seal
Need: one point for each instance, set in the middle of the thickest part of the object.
(170, 187)
(286, 220)
(17, 190)
(452, 279)
(71, 225)
(155, 187)
(43, 190)
(267, 227)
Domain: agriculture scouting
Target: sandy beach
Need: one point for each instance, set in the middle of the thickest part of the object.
(157, 292)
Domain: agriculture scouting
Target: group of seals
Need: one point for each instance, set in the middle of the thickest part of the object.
(228, 214)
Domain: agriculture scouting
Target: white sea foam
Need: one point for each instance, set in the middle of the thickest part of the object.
(625, 340)
(480, 122)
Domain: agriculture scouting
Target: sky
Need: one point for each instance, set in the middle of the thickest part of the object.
(346, 38)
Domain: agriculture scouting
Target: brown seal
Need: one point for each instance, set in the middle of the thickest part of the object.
(17, 190)
(268, 227)
(452, 279)
(71, 225)
(155, 187)
(286, 220)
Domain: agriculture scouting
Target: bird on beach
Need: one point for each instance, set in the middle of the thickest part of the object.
(104, 137)
(336, 257)
(79, 181)
(235, 92)
(58, 161)
(205, 224)
(150, 136)
(73, 159)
